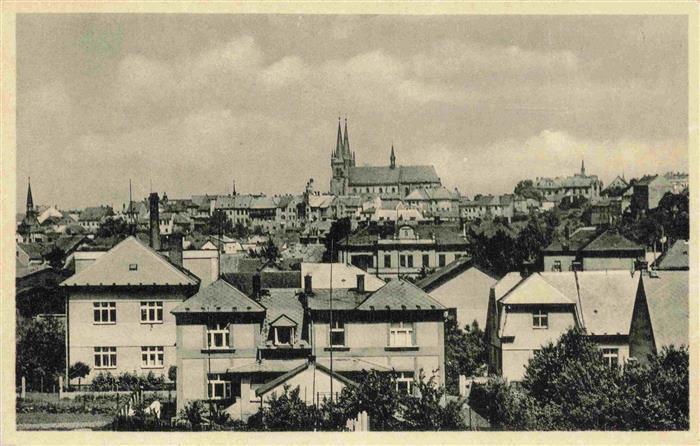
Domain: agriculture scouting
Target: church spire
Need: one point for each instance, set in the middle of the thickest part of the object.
(346, 141)
(392, 158)
(30, 200)
(339, 142)
(583, 169)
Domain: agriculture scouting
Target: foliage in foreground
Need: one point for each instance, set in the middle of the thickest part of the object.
(568, 386)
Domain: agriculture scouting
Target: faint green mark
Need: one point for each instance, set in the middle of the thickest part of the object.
(101, 44)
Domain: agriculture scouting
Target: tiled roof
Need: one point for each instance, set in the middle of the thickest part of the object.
(432, 193)
(370, 175)
(676, 258)
(263, 202)
(605, 298)
(440, 275)
(507, 283)
(444, 234)
(645, 180)
(115, 268)
(283, 302)
(69, 243)
(611, 240)
(320, 201)
(400, 295)
(219, 296)
(667, 300)
(577, 240)
(344, 276)
(292, 373)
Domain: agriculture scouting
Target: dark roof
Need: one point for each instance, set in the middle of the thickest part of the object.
(283, 302)
(400, 295)
(295, 371)
(95, 213)
(343, 299)
(219, 296)
(577, 240)
(645, 180)
(33, 250)
(676, 258)
(268, 279)
(69, 243)
(369, 175)
(612, 240)
(445, 234)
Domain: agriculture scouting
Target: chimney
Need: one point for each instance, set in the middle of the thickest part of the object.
(154, 221)
(360, 283)
(308, 288)
(256, 286)
(175, 249)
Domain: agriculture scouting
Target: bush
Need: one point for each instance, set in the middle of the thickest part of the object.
(105, 381)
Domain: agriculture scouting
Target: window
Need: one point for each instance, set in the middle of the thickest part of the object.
(105, 312)
(387, 261)
(611, 356)
(218, 336)
(219, 387)
(404, 382)
(152, 357)
(284, 335)
(441, 260)
(105, 357)
(337, 334)
(151, 311)
(426, 260)
(557, 266)
(540, 319)
(410, 260)
(133, 266)
(401, 334)
(402, 260)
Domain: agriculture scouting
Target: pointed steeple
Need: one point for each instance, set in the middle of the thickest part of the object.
(346, 141)
(353, 158)
(339, 142)
(583, 169)
(392, 158)
(30, 200)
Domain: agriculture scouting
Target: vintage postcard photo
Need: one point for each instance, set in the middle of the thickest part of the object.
(351, 222)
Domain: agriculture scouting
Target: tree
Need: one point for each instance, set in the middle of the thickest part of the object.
(287, 412)
(270, 252)
(193, 412)
(426, 411)
(55, 257)
(172, 373)
(526, 189)
(240, 231)
(465, 352)
(218, 223)
(40, 354)
(117, 228)
(376, 394)
(78, 370)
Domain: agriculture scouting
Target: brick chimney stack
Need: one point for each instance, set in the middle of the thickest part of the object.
(154, 221)
(308, 288)
(175, 249)
(360, 283)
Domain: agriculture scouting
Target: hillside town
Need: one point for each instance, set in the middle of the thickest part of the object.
(218, 304)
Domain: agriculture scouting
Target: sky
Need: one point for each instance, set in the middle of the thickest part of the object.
(188, 103)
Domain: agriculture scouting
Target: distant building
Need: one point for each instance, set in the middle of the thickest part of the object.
(606, 211)
(589, 249)
(488, 207)
(29, 230)
(408, 251)
(237, 349)
(616, 187)
(91, 218)
(435, 203)
(675, 258)
(463, 287)
(679, 181)
(398, 180)
(579, 185)
(649, 190)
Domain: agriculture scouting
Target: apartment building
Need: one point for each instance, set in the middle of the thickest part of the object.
(236, 349)
(118, 310)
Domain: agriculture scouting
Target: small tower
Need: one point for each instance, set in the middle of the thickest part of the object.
(30, 200)
(392, 158)
(583, 169)
(340, 162)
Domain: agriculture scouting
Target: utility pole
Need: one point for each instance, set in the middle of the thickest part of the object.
(330, 316)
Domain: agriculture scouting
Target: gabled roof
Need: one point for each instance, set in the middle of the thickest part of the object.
(534, 290)
(507, 283)
(400, 295)
(95, 213)
(33, 250)
(667, 299)
(676, 258)
(268, 279)
(577, 240)
(115, 268)
(283, 321)
(265, 388)
(283, 302)
(449, 271)
(219, 296)
(612, 240)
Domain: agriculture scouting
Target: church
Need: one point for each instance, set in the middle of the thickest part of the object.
(392, 180)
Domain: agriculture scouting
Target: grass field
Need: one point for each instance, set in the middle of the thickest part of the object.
(43, 417)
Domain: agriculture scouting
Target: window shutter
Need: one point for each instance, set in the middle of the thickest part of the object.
(413, 334)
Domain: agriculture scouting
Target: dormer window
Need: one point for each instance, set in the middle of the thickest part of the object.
(133, 266)
(284, 335)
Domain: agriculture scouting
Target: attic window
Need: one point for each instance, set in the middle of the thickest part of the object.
(133, 266)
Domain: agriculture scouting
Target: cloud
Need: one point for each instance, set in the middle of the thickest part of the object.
(286, 71)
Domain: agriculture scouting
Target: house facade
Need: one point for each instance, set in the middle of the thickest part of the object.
(236, 349)
(525, 314)
(578, 185)
(118, 310)
(407, 251)
(649, 190)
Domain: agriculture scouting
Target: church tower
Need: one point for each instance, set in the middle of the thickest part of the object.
(30, 200)
(392, 158)
(341, 160)
(583, 169)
